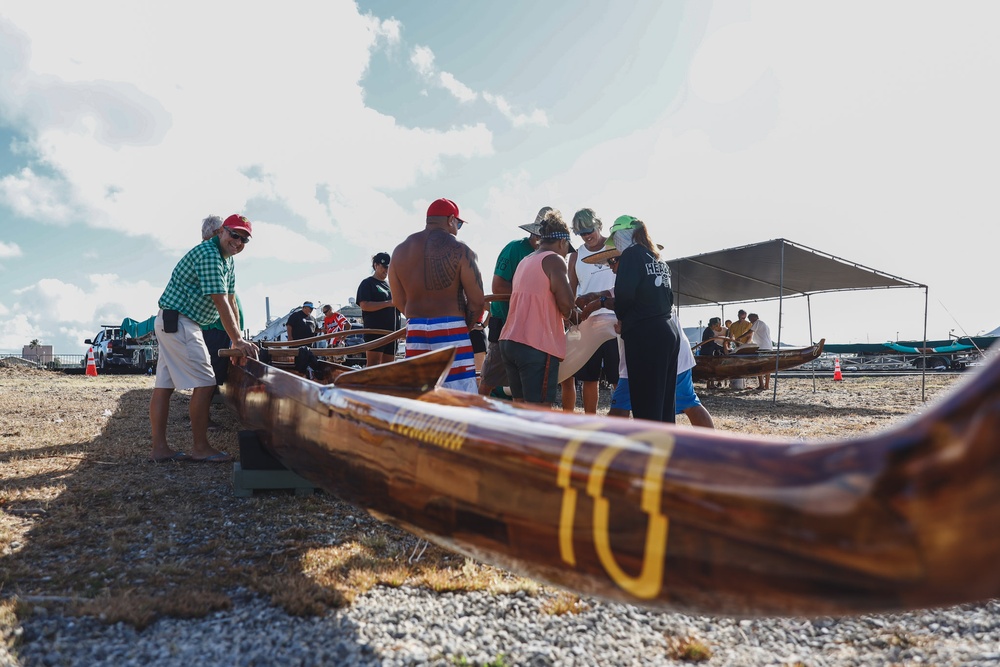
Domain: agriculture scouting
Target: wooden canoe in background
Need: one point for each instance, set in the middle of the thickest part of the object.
(669, 517)
(738, 365)
(328, 337)
(284, 350)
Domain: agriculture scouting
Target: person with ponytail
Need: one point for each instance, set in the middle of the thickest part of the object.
(642, 301)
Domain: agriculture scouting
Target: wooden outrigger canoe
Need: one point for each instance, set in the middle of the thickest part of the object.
(669, 517)
(327, 337)
(737, 365)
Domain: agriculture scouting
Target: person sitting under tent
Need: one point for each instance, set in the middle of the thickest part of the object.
(712, 339)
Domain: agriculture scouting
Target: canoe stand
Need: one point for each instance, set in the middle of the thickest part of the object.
(258, 470)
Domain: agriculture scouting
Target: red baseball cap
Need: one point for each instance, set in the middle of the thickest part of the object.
(238, 222)
(444, 207)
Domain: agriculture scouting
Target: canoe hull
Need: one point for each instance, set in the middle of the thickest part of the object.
(672, 518)
(749, 365)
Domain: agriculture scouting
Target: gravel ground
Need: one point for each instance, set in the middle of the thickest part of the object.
(415, 627)
(407, 625)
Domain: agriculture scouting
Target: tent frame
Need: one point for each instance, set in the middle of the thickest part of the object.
(757, 272)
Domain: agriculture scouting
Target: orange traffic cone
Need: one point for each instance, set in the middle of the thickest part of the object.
(91, 365)
(837, 375)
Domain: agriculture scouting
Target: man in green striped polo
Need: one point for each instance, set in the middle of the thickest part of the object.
(201, 290)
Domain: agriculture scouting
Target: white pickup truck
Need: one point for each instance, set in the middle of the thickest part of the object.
(113, 347)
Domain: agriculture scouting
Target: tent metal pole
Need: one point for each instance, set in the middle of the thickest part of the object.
(781, 304)
(923, 375)
(809, 313)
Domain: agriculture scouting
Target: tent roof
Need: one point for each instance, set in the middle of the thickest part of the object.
(770, 270)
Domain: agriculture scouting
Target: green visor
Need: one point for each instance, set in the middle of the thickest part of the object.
(623, 222)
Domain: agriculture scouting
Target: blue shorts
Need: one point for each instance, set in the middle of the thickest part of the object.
(621, 399)
(685, 398)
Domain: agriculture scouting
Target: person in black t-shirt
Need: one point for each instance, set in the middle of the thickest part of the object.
(643, 300)
(377, 312)
(300, 324)
(710, 347)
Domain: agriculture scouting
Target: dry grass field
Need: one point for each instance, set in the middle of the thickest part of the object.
(89, 526)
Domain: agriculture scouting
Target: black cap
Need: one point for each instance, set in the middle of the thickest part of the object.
(381, 258)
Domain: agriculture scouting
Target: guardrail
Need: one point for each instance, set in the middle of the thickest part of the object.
(58, 362)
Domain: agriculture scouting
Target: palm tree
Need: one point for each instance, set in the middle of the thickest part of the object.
(34, 345)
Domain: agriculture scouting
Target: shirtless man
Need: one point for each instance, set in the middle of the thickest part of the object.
(436, 284)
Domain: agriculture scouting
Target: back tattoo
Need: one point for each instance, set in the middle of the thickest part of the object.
(442, 255)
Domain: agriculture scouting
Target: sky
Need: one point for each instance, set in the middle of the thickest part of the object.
(865, 130)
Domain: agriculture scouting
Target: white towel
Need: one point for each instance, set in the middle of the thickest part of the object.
(594, 331)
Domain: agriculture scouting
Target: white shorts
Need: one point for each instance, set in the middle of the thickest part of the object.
(183, 361)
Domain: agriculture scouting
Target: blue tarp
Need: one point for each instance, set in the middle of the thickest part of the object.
(137, 329)
(946, 349)
(913, 346)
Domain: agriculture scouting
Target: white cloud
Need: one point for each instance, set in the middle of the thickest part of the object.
(49, 308)
(16, 332)
(113, 113)
(536, 117)
(37, 197)
(422, 59)
(388, 30)
(459, 90)
(200, 116)
(9, 250)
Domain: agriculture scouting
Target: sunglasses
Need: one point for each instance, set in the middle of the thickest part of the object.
(612, 261)
(459, 223)
(584, 232)
(243, 239)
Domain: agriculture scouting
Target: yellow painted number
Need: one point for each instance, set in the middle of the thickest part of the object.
(648, 583)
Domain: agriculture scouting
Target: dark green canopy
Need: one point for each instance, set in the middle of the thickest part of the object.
(776, 269)
(770, 270)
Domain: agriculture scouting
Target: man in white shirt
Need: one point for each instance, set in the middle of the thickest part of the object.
(761, 337)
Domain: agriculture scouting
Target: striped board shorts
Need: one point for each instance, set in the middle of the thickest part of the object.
(427, 334)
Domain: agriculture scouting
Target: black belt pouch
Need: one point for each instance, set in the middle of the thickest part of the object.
(170, 320)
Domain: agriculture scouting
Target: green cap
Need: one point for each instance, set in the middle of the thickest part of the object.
(624, 222)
